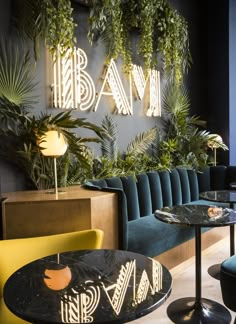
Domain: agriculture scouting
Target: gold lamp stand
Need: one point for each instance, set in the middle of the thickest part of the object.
(53, 144)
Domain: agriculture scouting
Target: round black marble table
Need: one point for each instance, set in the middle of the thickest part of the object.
(90, 286)
(223, 196)
(197, 309)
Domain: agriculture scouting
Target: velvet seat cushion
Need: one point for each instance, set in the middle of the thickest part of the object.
(228, 282)
(151, 237)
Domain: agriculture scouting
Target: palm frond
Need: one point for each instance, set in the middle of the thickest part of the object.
(196, 121)
(142, 142)
(176, 105)
(109, 147)
(17, 79)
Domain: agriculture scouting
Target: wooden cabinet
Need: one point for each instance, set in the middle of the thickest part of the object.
(38, 213)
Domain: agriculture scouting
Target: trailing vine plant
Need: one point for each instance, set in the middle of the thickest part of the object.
(173, 41)
(49, 20)
(107, 20)
(162, 33)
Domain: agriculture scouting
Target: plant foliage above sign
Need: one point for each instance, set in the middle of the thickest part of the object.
(162, 33)
(49, 20)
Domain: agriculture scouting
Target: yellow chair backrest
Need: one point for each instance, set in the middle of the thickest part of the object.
(17, 252)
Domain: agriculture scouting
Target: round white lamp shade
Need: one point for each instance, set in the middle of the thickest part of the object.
(215, 141)
(53, 143)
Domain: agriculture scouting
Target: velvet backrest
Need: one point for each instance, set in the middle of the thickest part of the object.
(166, 188)
(130, 188)
(176, 189)
(218, 177)
(204, 182)
(185, 186)
(193, 185)
(98, 183)
(144, 195)
(114, 182)
(155, 189)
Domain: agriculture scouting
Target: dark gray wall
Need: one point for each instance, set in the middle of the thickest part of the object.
(218, 72)
(197, 78)
(10, 178)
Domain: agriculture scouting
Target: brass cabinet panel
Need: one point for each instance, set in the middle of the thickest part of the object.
(37, 213)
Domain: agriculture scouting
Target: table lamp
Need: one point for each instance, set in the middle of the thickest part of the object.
(214, 143)
(53, 144)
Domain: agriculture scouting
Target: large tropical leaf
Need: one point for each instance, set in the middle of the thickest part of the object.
(17, 78)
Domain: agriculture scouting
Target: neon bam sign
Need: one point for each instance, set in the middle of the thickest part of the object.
(73, 88)
(140, 82)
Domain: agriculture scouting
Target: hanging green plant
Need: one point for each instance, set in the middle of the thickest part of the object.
(107, 20)
(172, 42)
(147, 23)
(60, 25)
(162, 32)
(49, 20)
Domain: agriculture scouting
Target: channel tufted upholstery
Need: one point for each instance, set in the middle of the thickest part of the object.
(140, 196)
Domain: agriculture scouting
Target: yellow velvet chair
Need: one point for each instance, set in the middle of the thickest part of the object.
(17, 252)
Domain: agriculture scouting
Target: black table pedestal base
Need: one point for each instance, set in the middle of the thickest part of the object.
(214, 271)
(186, 310)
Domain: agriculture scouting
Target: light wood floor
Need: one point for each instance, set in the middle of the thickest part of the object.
(184, 282)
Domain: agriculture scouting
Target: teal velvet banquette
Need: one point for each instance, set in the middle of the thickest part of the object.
(140, 196)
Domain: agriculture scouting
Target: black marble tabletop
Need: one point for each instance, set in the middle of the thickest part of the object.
(91, 286)
(226, 196)
(197, 215)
